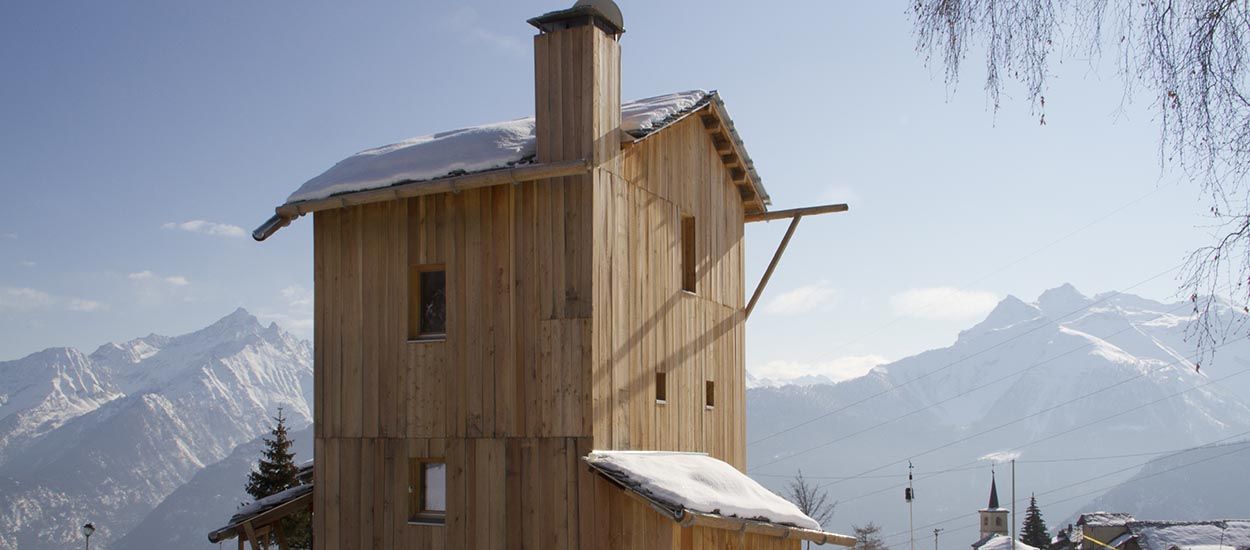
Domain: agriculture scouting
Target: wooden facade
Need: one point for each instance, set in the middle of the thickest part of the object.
(564, 300)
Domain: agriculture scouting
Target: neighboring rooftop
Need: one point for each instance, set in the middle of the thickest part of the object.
(1104, 519)
(1000, 542)
(1164, 535)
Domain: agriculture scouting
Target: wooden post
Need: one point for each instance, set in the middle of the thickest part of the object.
(794, 223)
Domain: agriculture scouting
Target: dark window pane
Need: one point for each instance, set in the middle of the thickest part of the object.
(433, 302)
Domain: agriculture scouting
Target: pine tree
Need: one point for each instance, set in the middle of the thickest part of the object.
(868, 537)
(276, 472)
(1033, 533)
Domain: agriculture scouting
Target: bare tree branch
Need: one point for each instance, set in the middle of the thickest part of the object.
(1188, 55)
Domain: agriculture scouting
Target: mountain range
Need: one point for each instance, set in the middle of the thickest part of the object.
(106, 437)
(1079, 390)
(1095, 397)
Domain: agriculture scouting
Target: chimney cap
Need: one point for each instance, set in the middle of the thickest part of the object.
(604, 13)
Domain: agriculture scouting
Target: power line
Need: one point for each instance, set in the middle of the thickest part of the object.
(970, 390)
(1088, 493)
(965, 467)
(961, 359)
(1026, 417)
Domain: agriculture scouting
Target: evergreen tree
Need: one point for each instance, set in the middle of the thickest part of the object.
(868, 537)
(1033, 533)
(275, 472)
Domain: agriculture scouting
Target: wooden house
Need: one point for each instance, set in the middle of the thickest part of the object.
(496, 305)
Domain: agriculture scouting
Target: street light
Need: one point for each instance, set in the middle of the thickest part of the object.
(87, 530)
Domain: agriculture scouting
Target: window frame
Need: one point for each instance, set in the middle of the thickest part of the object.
(417, 333)
(661, 387)
(417, 514)
(709, 394)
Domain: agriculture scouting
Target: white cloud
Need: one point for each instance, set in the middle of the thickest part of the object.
(23, 299)
(30, 299)
(148, 277)
(943, 303)
(298, 297)
(804, 299)
(1001, 456)
(26, 263)
(79, 304)
(465, 23)
(208, 228)
(842, 368)
(8, 236)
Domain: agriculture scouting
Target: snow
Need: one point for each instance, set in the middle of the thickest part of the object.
(1104, 519)
(271, 501)
(1000, 542)
(468, 150)
(699, 483)
(1163, 535)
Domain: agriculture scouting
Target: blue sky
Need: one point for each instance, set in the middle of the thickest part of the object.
(141, 140)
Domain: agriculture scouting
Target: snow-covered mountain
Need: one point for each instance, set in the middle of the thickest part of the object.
(1064, 377)
(1191, 485)
(204, 503)
(106, 437)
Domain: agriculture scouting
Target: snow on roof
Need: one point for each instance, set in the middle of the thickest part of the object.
(1163, 535)
(474, 149)
(270, 502)
(1104, 519)
(698, 483)
(1001, 542)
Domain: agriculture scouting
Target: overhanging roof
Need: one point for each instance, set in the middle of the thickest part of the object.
(503, 152)
(696, 489)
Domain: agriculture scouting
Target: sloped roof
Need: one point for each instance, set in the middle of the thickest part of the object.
(477, 149)
(1000, 542)
(1104, 519)
(1163, 535)
(696, 482)
(254, 510)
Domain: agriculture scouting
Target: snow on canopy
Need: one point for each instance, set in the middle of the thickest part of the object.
(474, 149)
(1001, 542)
(698, 483)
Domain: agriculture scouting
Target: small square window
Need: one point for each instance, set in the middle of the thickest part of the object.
(427, 302)
(661, 387)
(687, 254)
(709, 394)
(427, 490)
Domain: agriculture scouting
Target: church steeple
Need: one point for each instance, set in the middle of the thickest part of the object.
(993, 517)
(993, 492)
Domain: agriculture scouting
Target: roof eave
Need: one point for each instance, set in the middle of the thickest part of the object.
(686, 518)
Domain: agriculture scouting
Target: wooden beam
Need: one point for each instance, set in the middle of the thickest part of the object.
(773, 264)
(711, 123)
(795, 212)
(763, 528)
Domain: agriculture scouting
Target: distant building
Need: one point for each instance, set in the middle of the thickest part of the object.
(1117, 531)
(994, 522)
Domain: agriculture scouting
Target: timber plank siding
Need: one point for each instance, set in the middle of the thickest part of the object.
(564, 297)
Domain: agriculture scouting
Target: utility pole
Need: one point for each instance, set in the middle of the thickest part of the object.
(911, 495)
(935, 534)
(1013, 504)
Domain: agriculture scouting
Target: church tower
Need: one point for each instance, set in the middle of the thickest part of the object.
(993, 518)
